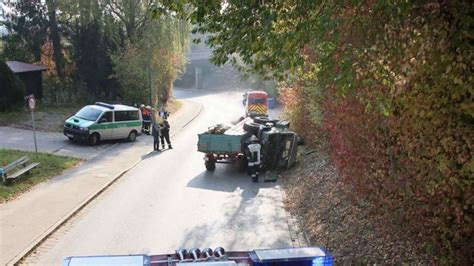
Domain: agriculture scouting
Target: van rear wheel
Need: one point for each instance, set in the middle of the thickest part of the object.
(132, 136)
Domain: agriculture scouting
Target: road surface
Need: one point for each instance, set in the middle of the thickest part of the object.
(169, 201)
(49, 142)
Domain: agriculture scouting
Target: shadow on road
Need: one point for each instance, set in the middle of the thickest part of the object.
(152, 154)
(253, 215)
(101, 143)
(228, 179)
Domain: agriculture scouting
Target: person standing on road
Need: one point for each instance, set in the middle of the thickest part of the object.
(163, 113)
(146, 115)
(165, 134)
(155, 132)
(253, 158)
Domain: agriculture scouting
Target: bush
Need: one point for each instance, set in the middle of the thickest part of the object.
(398, 112)
(12, 92)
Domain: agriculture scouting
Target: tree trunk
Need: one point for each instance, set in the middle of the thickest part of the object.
(54, 35)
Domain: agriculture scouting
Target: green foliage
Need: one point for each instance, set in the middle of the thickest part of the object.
(131, 66)
(13, 89)
(155, 60)
(27, 31)
(94, 66)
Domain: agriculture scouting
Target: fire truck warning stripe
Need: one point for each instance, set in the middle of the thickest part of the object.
(259, 108)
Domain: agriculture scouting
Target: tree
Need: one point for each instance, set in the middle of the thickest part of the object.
(27, 31)
(133, 14)
(130, 66)
(147, 68)
(94, 66)
(54, 35)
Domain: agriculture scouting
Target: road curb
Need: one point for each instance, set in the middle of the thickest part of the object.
(52, 229)
(298, 234)
(192, 119)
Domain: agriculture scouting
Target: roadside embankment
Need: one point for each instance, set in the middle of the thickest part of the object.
(332, 218)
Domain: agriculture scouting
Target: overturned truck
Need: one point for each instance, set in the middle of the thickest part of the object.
(224, 143)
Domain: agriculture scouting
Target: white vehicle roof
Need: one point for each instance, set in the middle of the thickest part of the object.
(116, 107)
(122, 107)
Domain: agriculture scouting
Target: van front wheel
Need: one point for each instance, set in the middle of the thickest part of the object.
(132, 136)
(94, 139)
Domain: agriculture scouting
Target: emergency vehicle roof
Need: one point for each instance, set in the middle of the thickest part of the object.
(257, 93)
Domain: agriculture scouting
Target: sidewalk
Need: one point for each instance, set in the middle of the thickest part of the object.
(25, 221)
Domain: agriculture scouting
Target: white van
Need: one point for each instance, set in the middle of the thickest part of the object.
(103, 121)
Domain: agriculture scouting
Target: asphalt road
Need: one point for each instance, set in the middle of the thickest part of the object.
(169, 201)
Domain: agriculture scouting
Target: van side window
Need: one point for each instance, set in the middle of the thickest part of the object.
(126, 115)
(107, 116)
(133, 115)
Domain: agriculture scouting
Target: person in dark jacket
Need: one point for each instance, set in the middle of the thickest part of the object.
(165, 134)
(155, 131)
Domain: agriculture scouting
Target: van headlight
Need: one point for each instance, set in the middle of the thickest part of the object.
(84, 128)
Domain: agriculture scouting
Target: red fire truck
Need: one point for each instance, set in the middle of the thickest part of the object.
(256, 104)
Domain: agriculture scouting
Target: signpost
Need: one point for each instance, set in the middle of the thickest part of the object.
(31, 104)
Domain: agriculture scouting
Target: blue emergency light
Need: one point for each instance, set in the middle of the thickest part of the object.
(308, 256)
(106, 105)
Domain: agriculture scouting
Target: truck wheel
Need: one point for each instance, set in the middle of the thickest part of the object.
(264, 119)
(94, 139)
(210, 165)
(132, 136)
(71, 138)
(252, 127)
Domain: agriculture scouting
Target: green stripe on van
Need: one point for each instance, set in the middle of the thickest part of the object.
(117, 125)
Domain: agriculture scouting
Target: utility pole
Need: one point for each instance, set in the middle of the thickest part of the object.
(149, 74)
(196, 79)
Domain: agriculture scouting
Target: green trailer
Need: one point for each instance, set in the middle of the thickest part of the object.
(221, 148)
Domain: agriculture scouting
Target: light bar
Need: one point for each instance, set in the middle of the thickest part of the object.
(106, 105)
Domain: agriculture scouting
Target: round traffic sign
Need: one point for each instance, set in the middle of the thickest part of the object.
(31, 102)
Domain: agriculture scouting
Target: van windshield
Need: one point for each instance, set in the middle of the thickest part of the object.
(257, 101)
(89, 113)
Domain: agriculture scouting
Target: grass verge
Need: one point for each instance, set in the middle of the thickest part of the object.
(50, 165)
(173, 106)
(47, 118)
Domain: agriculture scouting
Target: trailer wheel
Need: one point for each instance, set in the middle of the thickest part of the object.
(210, 165)
(252, 127)
(241, 163)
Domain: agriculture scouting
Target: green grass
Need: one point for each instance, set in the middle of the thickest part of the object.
(174, 106)
(50, 165)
